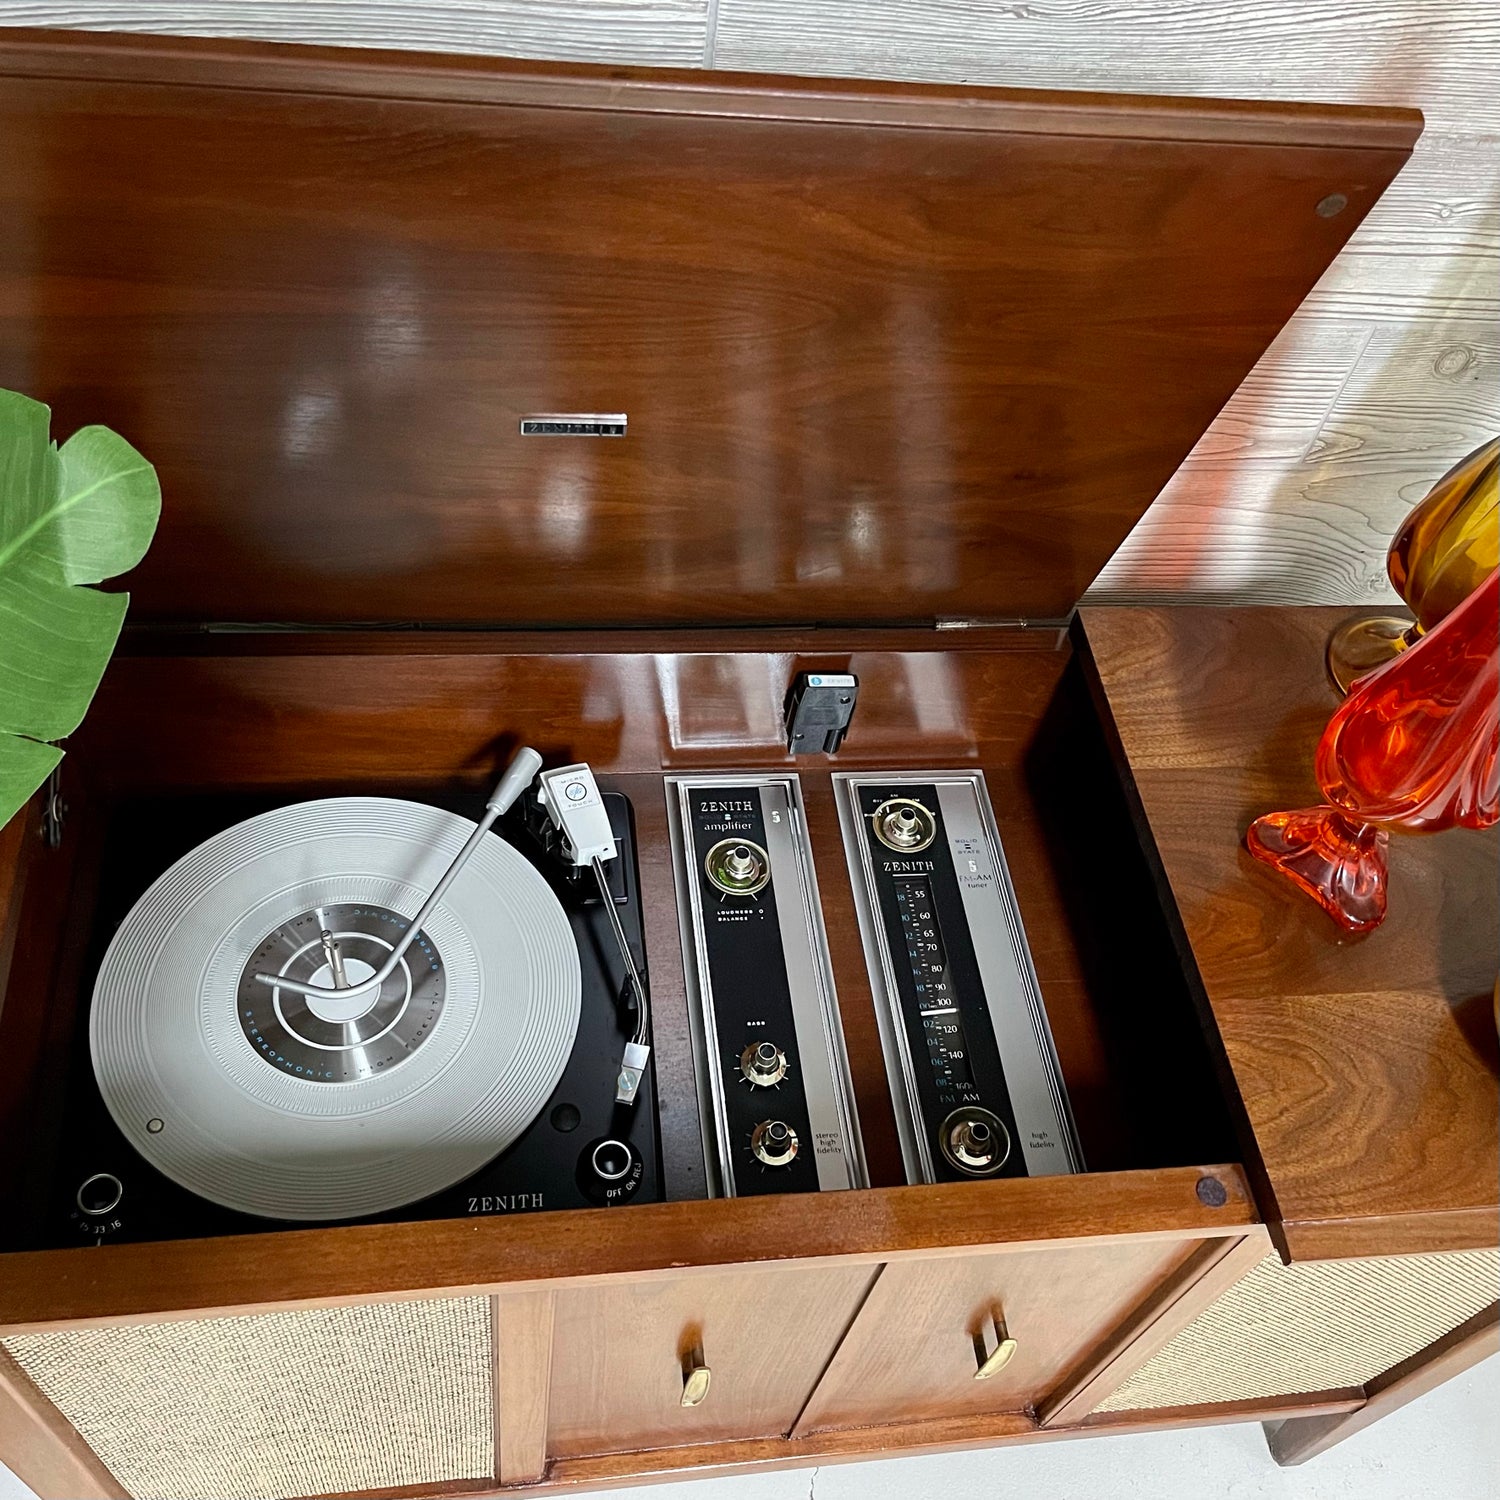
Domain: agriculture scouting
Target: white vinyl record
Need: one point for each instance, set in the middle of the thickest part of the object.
(286, 1108)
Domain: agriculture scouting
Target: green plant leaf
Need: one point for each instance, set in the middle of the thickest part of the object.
(24, 766)
(55, 641)
(68, 517)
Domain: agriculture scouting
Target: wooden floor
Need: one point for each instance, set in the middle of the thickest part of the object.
(1390, 372)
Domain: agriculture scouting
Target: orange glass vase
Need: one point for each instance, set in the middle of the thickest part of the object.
(1412, 748)
(1444, 548)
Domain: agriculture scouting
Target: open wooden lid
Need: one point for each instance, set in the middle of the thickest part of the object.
(887, 352)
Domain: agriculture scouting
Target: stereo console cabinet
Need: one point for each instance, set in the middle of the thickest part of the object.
(900, 365)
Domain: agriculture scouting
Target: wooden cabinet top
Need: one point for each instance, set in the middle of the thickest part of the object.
(1365, 1067)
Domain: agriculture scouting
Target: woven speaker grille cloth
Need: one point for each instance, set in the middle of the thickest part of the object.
(1319, 1326)
(278, 1405)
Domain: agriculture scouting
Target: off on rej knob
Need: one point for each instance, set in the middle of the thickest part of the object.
(774, 1142)
(763, 1064)
(611, 1161)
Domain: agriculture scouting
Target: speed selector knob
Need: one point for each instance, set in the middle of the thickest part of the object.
(774, 1142)
(763, 1064)
(100, 1194)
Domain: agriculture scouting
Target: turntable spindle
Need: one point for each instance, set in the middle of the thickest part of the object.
(335, 960)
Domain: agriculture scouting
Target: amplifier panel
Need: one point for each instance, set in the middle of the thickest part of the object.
(777, 1104)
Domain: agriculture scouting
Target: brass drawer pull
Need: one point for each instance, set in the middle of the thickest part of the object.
(995, 1360)
(695, 1379)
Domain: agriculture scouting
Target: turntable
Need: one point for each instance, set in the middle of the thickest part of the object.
(363, 1006)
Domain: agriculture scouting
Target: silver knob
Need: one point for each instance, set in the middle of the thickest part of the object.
(763, 1064)
(974, 1140)
(903, 824)
(738, 867)
(99, 1194)
(774, 1142)
(611, 1160)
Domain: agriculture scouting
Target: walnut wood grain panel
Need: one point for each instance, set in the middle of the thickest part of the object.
(267, 719)
(854, 1444)
(1388, 1111)
(1253, 932)
(767, 1335)
(1366, 1068)
(1307, 524)
(871, 374)
(521, 1326)
(383, 1262)
(1466, 1228)
(912, 1352)
(232, 63)
(1213, 1269)
(40, 1447)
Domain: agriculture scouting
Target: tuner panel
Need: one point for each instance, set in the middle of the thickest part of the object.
(974, 1077)
(773, 1081)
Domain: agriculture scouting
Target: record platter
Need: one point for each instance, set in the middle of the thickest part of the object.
(363, 1006)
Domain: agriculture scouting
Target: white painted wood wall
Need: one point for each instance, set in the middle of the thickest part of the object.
(1390, 371)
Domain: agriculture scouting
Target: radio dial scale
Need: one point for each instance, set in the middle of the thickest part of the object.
(973, 1073)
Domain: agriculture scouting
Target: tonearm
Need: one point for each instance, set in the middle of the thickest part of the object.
(572, 801)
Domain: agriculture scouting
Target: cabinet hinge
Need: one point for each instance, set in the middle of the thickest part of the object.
(54, 810)
(970, 622)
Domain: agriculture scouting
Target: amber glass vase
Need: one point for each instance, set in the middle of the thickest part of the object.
(1444, 548)
(1412, 748)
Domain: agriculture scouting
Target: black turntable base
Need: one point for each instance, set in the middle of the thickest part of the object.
(580, 1148)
